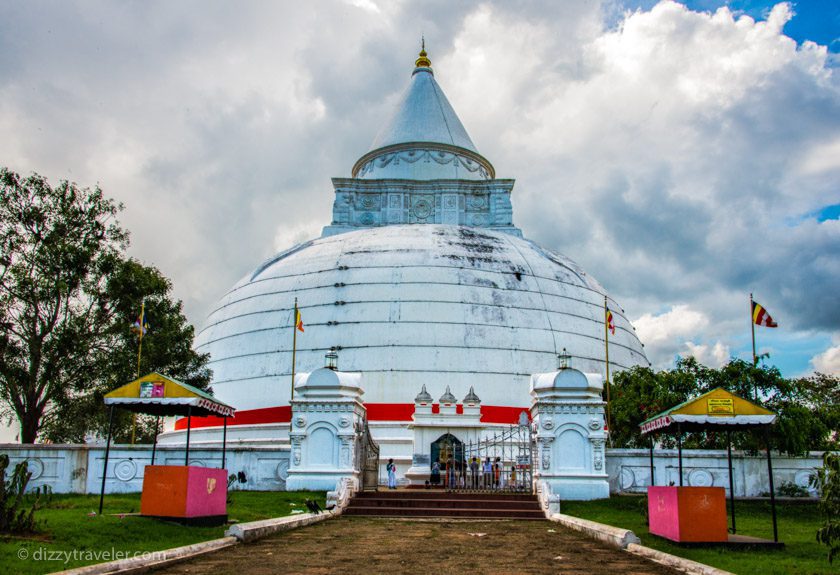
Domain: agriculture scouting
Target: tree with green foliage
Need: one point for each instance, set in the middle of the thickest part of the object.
(808, 408)
(68, 295)
(827, 482)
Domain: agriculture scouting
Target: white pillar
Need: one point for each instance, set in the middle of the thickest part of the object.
(568, 418)
(327, 418)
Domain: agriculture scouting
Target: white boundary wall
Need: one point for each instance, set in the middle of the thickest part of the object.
(78, 468)
(629, 470)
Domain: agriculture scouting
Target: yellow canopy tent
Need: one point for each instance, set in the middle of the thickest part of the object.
(717, 410)
(157, 394)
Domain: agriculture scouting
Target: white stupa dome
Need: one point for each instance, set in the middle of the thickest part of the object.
(409, 305)
(420, 279)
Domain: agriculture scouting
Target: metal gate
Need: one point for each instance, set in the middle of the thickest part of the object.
(501, 462)
(367, 458)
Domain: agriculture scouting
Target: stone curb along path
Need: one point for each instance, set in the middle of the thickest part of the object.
(247, 532)
(237, 533)
(626, 540)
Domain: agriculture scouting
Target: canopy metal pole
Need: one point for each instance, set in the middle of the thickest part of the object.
(731, 479)
(679, 447)
(107, 453)
(224, 440)
(189, 425)
(772, 489)
(652, 477)
(154, 444)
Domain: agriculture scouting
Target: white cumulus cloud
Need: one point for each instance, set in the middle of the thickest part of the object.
(828, 361)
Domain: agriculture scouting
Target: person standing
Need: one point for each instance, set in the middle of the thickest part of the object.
(474, 473)
(487, 470)
(392, 474)
(436, 473)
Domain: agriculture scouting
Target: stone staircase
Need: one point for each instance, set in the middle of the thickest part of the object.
(415, 503)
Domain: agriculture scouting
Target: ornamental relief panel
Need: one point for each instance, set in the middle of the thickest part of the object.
(422, 208)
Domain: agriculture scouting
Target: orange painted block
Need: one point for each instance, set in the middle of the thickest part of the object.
(182, 491)
(688, 514)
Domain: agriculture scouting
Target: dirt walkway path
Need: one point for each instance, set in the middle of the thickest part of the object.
(368, 546)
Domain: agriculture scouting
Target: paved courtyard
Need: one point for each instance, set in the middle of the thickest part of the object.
(371, 545)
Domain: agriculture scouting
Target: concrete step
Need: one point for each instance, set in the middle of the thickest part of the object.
(441, 494)
(451, 502)
(484, 513)
(439, 503)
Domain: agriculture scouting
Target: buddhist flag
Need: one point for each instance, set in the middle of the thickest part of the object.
(610, 323)
(761, 317)
(141, 324)
(298, 320)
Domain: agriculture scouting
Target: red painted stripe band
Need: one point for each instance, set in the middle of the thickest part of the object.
(375, 412)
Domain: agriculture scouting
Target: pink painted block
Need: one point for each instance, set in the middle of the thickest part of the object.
(664, 512)
(206, 492)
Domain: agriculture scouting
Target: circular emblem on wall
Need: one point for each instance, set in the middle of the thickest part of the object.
(450, 202)
(368, 202)
(344, 421)
(594, 424)
(548, 423)
(700, 478)
(366, 219)
(282, 470)
(300, 421)
(36, 467)
(422, 209)
(628, 478)
(125, 470)
(803, 478)
(479, 220)
(477, 202)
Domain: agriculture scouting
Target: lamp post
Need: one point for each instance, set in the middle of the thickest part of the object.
(331, 359)
(565, 359)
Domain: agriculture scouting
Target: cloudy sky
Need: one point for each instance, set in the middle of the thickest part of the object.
(684, 156)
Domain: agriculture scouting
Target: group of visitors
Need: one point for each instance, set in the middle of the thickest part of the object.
(489, 474)
(482, 475)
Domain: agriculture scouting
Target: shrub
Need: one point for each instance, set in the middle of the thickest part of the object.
(15, 515)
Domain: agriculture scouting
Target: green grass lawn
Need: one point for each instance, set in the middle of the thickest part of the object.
(798, 523)
(66, 526)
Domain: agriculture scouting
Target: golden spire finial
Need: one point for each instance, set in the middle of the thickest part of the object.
(423, 61)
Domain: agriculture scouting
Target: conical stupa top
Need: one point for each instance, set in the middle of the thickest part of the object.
(423, 123)
(448, 397)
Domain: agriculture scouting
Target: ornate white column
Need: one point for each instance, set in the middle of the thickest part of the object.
(327, 417)
(567, 415)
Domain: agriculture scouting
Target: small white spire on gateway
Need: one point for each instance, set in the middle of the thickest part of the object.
(448, 397)
(424, 396)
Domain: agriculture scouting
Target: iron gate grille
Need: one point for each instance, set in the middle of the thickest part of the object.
(367, 453)
(501, 462)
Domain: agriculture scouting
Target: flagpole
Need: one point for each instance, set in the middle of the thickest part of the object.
(755, 358)
(752, 328)
(139, 354)
(294, 346)
(607, 353)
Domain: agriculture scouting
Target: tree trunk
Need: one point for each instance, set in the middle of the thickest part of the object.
(29, 425)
